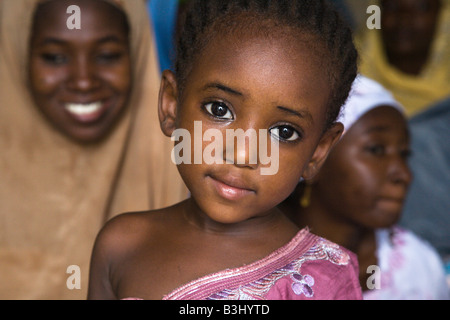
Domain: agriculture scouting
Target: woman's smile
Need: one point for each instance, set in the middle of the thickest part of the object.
(88, 112)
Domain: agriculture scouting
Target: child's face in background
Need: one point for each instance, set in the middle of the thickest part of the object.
(80, 79)
(255, 83)
(366, 176)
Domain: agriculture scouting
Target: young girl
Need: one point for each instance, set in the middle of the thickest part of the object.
(357, 198)
(285, 67)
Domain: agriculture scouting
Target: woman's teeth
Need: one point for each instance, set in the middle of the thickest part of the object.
(83, 109)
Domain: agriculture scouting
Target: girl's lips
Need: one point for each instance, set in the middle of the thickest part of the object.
(231, 190)
(86, 112)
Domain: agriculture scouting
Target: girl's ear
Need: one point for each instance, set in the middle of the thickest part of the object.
(167, 103)
(326, 143)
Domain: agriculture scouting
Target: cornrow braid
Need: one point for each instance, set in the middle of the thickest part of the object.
(205, 19)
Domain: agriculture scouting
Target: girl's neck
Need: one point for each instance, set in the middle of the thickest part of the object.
(257, 226)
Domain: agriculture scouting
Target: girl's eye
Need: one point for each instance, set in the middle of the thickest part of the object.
(406, 153)
(219, 110)
(377, 150)
(285, 133)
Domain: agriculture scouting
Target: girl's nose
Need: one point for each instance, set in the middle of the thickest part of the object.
(399, 171)
(241, 148)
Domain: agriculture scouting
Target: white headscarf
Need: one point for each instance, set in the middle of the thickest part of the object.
(365, 95)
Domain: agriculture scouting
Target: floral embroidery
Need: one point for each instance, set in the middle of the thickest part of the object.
(301, 284)
(327, 250)
(395, 259)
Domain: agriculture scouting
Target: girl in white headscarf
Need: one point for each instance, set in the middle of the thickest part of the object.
(357, 197)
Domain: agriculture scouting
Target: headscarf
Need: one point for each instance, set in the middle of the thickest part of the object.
(365, 95)
(415, 93)
(55, 194)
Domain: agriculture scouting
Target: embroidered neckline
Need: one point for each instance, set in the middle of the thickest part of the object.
(233, 278)
(300, 283)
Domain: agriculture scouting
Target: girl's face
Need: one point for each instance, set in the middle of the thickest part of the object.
(80, 79)
(365, 178)
(251, 83)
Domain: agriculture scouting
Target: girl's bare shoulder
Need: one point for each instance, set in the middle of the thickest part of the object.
(125, 243)
(133, 229)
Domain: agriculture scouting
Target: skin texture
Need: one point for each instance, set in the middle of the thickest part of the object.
(231, 218)
(362, 185)
(80, 67)
(408, 28)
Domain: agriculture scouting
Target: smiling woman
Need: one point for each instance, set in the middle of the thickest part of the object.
(80, 79)
(78, 127)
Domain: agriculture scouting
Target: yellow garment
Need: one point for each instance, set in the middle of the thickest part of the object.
(415, 93)
(54, 194)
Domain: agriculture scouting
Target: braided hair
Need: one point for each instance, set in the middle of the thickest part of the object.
(205, 19)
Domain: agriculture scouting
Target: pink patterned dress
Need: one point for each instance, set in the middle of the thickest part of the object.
(307, 268)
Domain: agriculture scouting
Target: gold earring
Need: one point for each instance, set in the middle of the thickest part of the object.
(305, 199)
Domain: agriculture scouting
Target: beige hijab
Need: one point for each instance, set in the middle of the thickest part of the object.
(55, 195)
